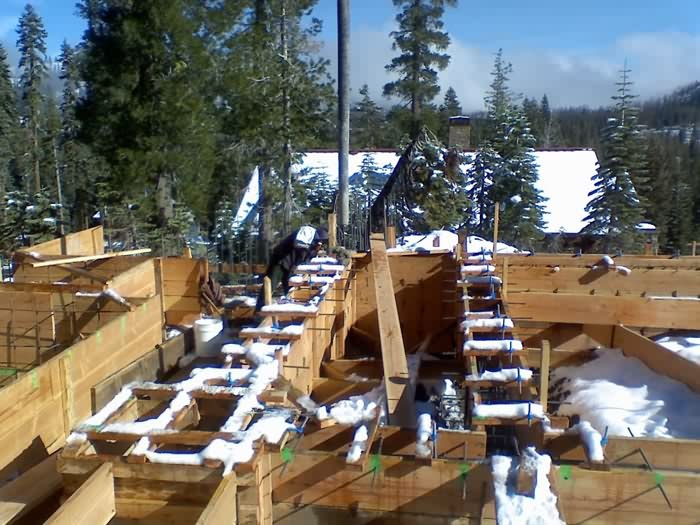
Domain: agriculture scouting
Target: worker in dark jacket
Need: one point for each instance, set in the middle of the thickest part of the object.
(297, 248)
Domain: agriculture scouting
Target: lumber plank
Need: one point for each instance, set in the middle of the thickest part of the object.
(29, 490)
(222, 508)
(92, 504)
(585, 261)
(399, 392)
(84, 242)
(544, 375)
(606, 310)
(660, 359)
(88, 258)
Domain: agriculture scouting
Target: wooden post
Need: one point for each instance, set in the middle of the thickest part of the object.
(390, 236)
(267, 287)
(459, 249)
(544, 374)
(332, 231)
(496, 216)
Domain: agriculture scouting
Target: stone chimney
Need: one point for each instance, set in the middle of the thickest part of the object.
(460, 133)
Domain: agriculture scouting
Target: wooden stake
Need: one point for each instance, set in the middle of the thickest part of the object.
(544, 374)
(332, 230)
(93, 503)
(267, 287)
(391, 236)
(496, 216)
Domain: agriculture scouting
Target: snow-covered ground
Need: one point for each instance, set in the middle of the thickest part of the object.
(516, 509)
(685, 346)
(620, 392)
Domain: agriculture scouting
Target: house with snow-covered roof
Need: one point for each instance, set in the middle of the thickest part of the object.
(565, 180)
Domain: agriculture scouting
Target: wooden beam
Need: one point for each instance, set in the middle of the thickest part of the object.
(88, 258)
(222, 508)
(605, 310)
(399, 392)
(51, 287)
(544, 375)
(29, 490)
(660, 359)
(92, 504)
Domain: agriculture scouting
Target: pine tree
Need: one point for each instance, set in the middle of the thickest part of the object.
(481, 177)
(31, 44)
(421, 42)
(616, 206)
(450, 107)
(368, 122)
(8, 123)
(513, 170)
(145, 108)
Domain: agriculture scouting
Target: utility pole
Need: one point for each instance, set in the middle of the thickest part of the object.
(343, 110)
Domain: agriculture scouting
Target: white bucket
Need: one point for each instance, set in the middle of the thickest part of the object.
(205, 332)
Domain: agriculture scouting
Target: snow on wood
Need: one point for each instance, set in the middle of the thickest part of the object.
(509, 410)
(110, 408)
(516, 509)
(485, 314)
(282, 308)
(298, 280)
(355, 409)
(498, 345)
(591, 438)
(423, 435)
(498, 322)
(256, 353)
(482, 257)
(504, 375)
(292, 329)
(323, 260)
(323, 268)
(478, 269)
(359, 444)
(621, 393)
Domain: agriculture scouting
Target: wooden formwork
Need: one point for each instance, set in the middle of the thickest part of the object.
(308, 478)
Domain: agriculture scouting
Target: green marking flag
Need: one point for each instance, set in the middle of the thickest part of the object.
(659, 478)
(375, 463)
(98, 336)
(34, 379)
(287, 454)
(565, 472)
(463, 469)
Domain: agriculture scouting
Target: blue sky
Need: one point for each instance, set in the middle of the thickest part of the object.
(567, 48)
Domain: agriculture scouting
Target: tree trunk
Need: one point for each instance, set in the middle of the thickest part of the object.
(264, 215)
(58, 188)
(343, 110)
(35, 157)
(286, 147)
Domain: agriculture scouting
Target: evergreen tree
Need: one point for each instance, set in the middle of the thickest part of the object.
(8, 123)
(145, 110)
(513, 169)
(31, 43)
(450, 107)
(368, 122)
(480, 181)
(421, 42)
(616, 206)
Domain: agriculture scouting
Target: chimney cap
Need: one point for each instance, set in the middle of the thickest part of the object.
(459, 120)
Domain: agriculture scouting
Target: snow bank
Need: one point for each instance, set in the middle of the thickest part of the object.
(620, 392)
(514, 509)
(687, 347)
(446, 240)
(592, 440)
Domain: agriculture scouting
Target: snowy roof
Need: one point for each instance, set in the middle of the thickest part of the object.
(565, 179)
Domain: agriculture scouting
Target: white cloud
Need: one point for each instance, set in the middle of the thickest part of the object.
(660, 62)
